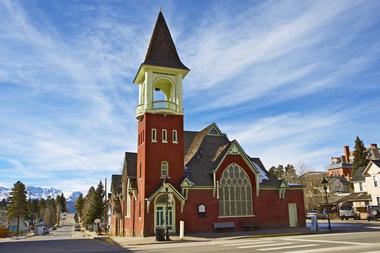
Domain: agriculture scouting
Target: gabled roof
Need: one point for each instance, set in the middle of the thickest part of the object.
(203, 155)
(375, 162)
(162, 51)
(341, 179)
(116, 184)
(130, 165)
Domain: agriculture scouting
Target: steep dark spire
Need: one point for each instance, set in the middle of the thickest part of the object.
(162, 51)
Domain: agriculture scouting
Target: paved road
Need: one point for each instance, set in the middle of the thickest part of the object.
(358, 242)
(62, 240)
(66, 240)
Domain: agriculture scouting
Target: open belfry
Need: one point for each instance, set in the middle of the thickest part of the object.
(199, 177)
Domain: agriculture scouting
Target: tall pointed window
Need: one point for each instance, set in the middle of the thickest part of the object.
(235, 195)
(175, 136)
(154, 135)
(164, 169)
(164, 135)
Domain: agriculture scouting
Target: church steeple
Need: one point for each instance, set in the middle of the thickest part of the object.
(162, 51)
(160, 75)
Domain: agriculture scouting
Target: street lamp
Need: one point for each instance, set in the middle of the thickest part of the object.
(324, 183)
(166, 210)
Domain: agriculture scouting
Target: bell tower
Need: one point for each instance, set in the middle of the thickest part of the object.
(159, 113)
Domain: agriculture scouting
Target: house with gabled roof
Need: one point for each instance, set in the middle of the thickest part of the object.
(200, 177)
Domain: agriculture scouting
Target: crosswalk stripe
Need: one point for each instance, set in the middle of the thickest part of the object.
(258, 246)
(245, 243)
(289, 247)
(324, 241)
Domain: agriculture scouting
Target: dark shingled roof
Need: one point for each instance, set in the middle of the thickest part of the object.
(376, 162)
(116, 184)
(162, 51)
(358, 177)
(130, 164)
(342, 179)
(203, 155)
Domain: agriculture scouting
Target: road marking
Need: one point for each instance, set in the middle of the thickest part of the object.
(328, 235)
(290, 247)
(339, 248)
(374, 227)
(323, 241)
(245, 243)
(257, 246)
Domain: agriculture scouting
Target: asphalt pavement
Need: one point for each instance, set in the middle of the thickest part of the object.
(62, 240)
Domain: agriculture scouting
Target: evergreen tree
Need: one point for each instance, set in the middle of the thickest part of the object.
(97, 205)
(18, 205)
(86, 207)
(42, 208)
(3, 203)
(50, 217)
(360, 155)
(79, 205)
(277, 172)
(63, 203)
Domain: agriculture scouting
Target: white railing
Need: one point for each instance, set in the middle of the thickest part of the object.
(162, 104)
(157, 105)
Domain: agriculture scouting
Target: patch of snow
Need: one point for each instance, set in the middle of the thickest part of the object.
(262, 175)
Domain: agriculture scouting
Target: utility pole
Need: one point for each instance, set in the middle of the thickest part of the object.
(106, 208)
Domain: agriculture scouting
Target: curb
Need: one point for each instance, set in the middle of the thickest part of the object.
(110, 241)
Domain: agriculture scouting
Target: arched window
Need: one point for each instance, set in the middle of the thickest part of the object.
(164, 169)
(235, 195)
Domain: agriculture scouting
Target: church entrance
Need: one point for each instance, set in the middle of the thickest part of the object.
(164, 203)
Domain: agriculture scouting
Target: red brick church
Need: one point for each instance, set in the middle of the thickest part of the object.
(199, 177)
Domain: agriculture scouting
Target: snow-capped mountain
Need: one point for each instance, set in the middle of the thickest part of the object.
(4, 193)
(70, 201)
(73, 196)
(32, 192)
(39, 192)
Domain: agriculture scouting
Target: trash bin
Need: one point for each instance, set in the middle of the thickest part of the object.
(160, 234)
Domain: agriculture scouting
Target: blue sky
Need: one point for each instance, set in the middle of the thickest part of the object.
(292, 81)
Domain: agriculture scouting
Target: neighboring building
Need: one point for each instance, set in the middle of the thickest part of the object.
(373, 152)
(358, 180)
(372, 181)
(338, 184)
(199, 177)
(341, 166)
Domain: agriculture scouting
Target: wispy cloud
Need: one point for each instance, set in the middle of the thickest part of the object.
(67, 103)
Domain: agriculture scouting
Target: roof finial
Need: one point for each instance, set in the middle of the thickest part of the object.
(160, 9)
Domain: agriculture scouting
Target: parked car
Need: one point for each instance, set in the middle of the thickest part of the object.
(348, 211)
(320, 215)
(77, 227)
(311, 213)
(373, 212)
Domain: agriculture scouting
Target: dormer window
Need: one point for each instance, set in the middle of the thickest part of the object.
(154, 135)
(175, 136)
(164, 169)
(164, 135)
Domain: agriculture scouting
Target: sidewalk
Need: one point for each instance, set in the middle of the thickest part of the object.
(211, 236)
